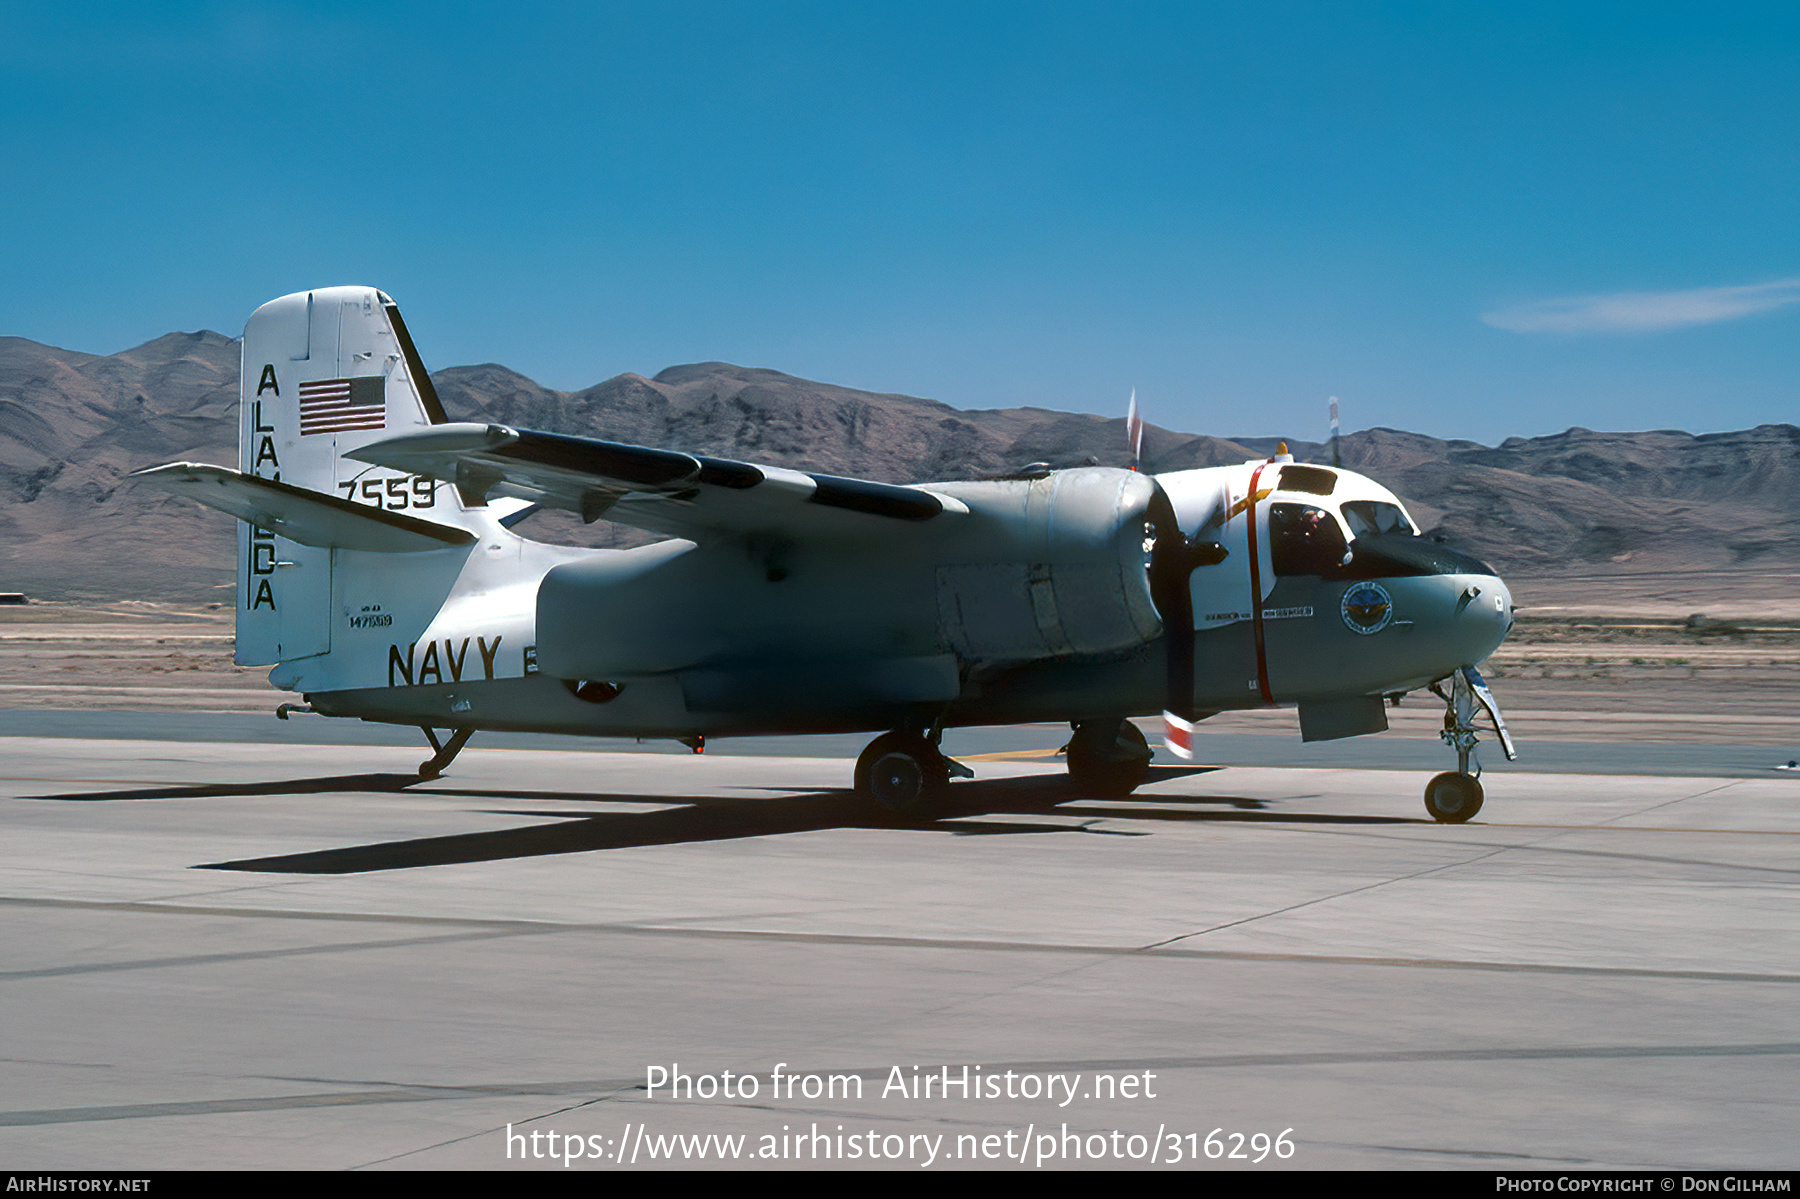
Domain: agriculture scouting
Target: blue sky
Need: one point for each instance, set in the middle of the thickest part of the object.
(1469, 220)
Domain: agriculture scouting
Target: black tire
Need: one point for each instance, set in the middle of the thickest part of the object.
(902, 775)
(1453, 798)
(1107, 760)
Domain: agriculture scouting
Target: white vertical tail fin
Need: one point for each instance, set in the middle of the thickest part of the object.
(324, 372)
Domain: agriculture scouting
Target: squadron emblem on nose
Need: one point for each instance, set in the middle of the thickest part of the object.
(1367, 608)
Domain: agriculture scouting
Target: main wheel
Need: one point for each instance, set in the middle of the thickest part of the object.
(1107, 760)
(1452, 798)
(903, 774)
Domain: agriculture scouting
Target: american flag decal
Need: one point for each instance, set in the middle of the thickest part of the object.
(340, 405)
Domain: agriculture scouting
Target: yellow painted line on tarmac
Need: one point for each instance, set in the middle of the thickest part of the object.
(1007, 755)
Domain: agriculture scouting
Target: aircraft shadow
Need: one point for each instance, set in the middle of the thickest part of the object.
(968, 811)
(341, 782)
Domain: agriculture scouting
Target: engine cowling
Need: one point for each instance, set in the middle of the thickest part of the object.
(1048, 568)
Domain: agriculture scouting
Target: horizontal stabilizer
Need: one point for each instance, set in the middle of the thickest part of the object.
(309, 517)
(683, 495)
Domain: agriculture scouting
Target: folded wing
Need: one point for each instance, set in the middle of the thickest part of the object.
(681, 495)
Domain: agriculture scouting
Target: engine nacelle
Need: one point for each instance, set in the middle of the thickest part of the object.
(1048, 568)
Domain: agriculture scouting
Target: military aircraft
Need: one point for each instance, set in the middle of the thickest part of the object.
(380, 575)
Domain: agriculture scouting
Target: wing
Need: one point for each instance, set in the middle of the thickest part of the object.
(681, 495)
(301, 515)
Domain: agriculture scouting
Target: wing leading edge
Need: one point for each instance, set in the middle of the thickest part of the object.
(680, 495)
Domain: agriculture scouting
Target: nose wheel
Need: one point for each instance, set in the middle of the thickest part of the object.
(1455, 795)
(1452, 798)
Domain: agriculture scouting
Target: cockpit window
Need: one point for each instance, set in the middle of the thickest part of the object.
(1304, 540)
(1370, 517)
(1313, 480)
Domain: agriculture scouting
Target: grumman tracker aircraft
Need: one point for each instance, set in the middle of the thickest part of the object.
(379, 574)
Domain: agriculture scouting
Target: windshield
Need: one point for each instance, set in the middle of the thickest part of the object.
(1371, 517)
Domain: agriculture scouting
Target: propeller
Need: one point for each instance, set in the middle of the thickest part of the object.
(1174, 556)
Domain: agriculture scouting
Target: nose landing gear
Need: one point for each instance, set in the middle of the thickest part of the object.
(1455, 795)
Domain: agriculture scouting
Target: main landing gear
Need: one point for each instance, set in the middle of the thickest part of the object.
(1107, 758)
(1455, 795)
(904, 774)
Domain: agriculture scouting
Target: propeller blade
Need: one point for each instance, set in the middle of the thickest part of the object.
(1134, 431)
(1173, 558)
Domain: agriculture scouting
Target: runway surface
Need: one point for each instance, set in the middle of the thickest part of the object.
(1614, 747)
(240, 954)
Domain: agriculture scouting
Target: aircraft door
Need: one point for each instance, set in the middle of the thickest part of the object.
(1303, 639)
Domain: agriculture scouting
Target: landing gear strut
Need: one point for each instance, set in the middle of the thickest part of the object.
(1107, 758)
(1455, 795)
(905, 774)
(446, 751)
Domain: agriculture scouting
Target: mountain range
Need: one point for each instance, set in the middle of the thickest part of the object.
(72, 425)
